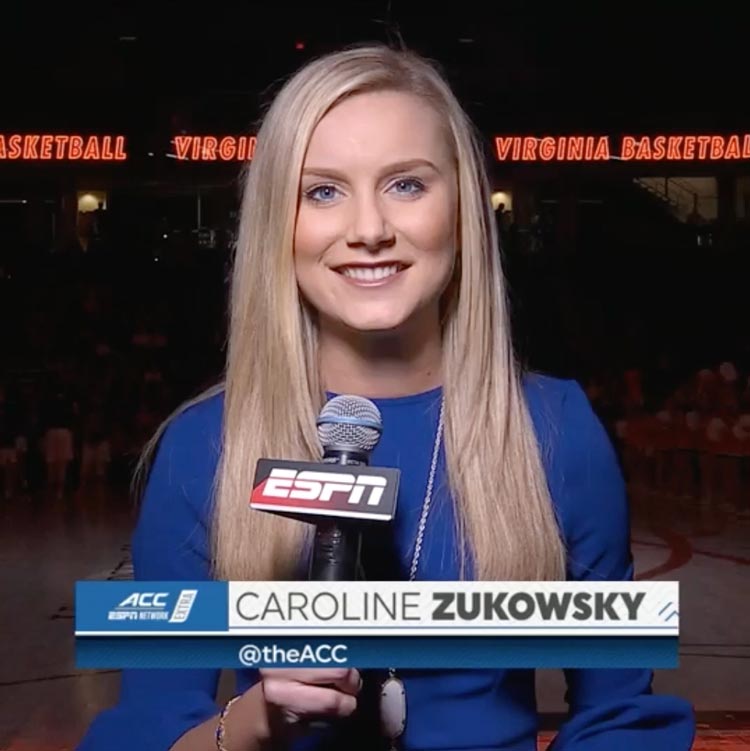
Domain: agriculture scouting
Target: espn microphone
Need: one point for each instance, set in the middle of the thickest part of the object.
(340, 495)
(349, 428)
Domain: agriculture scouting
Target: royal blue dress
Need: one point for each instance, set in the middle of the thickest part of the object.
(609, 710)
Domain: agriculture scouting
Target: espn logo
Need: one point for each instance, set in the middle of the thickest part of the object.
(325, 489)
(320, 486)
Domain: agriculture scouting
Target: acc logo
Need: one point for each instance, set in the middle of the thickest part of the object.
(321, 486)
(152, 606)
(145, 600)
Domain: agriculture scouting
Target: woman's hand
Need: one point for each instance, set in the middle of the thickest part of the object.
(304, 694)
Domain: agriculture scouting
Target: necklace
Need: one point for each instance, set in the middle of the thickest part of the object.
(392, 692)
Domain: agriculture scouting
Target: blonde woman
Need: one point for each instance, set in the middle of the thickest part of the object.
(367, 264)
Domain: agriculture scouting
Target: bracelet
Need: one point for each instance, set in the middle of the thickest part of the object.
(221, 728)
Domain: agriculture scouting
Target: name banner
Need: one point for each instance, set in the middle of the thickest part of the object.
(376, 624)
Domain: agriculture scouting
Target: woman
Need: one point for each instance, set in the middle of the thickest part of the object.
(367, 264)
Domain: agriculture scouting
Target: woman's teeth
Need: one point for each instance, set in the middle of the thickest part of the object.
(370, 273)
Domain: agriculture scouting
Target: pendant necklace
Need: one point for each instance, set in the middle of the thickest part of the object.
(392, 692)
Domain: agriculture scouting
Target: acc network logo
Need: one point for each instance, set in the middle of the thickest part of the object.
(152, 606)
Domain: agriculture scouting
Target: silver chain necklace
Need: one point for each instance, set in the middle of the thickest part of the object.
(392, 692)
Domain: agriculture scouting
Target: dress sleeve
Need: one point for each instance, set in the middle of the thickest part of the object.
(170, 543)
(609, 709)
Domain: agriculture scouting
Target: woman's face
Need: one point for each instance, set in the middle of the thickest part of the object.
(375, 239)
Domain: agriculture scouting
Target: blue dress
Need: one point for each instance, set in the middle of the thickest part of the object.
(609, 710)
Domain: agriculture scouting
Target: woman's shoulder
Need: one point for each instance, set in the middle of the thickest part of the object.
(191, 442)
(552, 402)
(171, 539)
(583, 476)
(569, 432)
(198, 420)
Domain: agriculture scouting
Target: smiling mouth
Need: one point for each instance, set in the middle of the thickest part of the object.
(370, 274)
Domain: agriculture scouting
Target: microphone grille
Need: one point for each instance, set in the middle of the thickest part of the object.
(350, 421)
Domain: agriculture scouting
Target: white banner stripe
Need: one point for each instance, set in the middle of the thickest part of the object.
(454, 608)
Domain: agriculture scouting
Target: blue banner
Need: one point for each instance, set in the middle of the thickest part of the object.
(137, 606)
(373, 652)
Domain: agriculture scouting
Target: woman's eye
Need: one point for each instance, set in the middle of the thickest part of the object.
(408, 186)
(322, 193)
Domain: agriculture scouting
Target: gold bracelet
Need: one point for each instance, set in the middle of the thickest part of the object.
(221, 728)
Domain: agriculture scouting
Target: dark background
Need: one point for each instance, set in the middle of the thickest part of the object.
(629, 286)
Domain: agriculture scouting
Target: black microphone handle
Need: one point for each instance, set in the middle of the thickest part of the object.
(335, 555)
(335, 552)
(337, 544)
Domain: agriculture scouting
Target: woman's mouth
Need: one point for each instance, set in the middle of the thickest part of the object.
(371, 275)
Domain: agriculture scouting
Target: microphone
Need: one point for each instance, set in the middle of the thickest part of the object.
(341, 494)
(349, 428)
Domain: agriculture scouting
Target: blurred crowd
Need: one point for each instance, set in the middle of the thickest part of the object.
(688, 441)
(96, 355)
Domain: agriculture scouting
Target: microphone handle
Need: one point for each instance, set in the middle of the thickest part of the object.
(335, 552)
(337, 544)
(335, 557)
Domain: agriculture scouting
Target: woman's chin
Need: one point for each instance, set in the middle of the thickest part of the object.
(373, 322)
(375, 326)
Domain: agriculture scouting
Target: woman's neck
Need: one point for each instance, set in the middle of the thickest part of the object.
(380, 365)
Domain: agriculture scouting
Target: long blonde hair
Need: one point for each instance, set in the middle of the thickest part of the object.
(505, 518)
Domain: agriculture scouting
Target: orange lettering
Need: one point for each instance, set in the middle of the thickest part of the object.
(673, 147)
(14, 147)
(209, 147)
(60, 142)
(547, 149)
(2, 147)
(589, 152)
(643, 152)
(516, 149)
(247, 152)
(575, 147)
(91, 152)
(529, 149)
(688, 151)
(29, 147)
(76, 147)
(196, 148)
(659, 149)
(733, 148)
(627, 150)
(746, 147)
(561, 143)
(227, 148)
(120, 154)
(107, 148)
(602, 149)
(717, 147)
(502, 147)
(45, 149)
(703, 142)
(182, 145)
